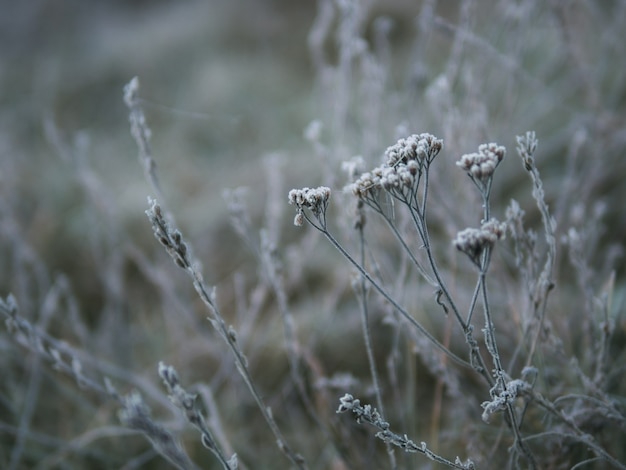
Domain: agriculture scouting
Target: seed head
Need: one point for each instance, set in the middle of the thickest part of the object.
(481, 165)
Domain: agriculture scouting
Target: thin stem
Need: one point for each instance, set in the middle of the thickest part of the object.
(272, 273)
(383, 292)
(478, 363)
(526, 148)
(187, 403)
(173, 242)
(473, 302)
(422, 228)
(424, 194)
(242, 366)
(492, 347)
(419, 221)
(373, 417)
(376, 207)
(579, 434)
(362, 297)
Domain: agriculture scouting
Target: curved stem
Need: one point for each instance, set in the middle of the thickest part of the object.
(386, 295)
(376, 207)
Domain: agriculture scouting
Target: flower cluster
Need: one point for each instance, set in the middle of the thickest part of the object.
(404, 162)
(422, 148)
(384, 177)
(473, 242)
(316, 199)
(481, 165)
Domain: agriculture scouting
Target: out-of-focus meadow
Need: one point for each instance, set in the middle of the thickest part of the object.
(268, 95)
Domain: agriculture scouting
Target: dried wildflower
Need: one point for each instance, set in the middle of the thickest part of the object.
(315, 199)
(481, 165)
(403, 163)
(422, 148)
(473, 242)
(389, 178)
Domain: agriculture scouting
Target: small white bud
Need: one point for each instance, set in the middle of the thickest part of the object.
(298, 220)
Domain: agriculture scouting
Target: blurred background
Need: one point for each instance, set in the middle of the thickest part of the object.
(266, 95)
(218, 78)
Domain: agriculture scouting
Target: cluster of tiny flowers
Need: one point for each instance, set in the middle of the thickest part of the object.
(481, 165)
(403, 162)
(316, 199)
(423, 148)
(472, 241)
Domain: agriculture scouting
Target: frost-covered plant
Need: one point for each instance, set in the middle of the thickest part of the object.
(477, 334)
(403, 177)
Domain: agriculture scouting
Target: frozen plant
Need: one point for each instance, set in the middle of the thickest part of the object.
(403, 177)
(370, 415)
